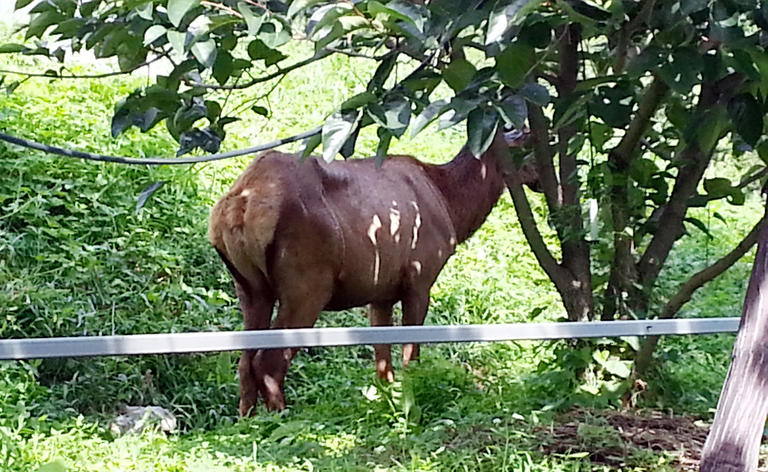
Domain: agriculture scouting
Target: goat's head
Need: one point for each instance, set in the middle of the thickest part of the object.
(523, 162)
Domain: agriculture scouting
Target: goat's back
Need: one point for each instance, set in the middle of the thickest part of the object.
(377, 230)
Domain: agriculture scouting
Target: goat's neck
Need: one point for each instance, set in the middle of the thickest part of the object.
(470, 186)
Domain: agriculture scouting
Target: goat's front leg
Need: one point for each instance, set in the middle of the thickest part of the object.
(415, 306)
(381, 315)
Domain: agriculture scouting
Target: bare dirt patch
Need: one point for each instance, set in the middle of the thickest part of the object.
(616, 438)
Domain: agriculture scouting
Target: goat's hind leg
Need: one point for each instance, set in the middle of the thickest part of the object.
(381, 315)
(299, 310)
(256, 303)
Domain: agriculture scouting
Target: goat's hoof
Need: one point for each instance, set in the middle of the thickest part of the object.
(247, 408)
(276, 404)
(386, 375)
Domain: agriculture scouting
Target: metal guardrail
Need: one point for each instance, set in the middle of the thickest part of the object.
(179, 343)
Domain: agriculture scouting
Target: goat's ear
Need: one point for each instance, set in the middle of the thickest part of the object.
(516, 137)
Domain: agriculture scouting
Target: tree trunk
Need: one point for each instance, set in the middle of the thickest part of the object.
(734, 440)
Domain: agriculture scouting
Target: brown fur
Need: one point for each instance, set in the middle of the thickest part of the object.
(317, 236)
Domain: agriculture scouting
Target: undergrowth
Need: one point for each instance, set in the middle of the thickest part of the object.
(78, 257)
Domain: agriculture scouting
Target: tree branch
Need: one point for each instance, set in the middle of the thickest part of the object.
(547, 261)
(625, 34)
(695, 162)
(544, 157)
(221, 6)
(624, 275)
(155, 161)
(85, 76)
(637, 128)
(685, 292)
(569, 220)
(671, 220)
(322, 54)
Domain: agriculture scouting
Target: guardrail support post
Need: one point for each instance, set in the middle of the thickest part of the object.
(734, 439)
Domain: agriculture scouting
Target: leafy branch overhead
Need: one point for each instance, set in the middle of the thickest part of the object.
(220, 45)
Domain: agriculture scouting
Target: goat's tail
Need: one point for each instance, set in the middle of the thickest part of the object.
(241, 235)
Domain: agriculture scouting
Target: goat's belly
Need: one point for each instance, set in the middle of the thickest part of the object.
(350, 295)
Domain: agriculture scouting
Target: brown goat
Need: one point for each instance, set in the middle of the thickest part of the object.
(317, 236)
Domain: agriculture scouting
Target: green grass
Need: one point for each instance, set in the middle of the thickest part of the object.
(77, 259)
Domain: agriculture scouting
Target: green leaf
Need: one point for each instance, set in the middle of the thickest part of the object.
(205, 52)
(700, 225)
(514, 111)
(326, 15)
(87, 8)
(718, 187)
(69, 28)
(153, 33)
(359, 100)
(385, 138)
(747, 117)
(22, 3)
(382, 73)
(299, 5)
(394, 114)
(310, 144)
(536, 94)
(587, 9)
(213, 110)
(614, 104)
(145, 11)
(459, 74)
(425, 81)
(178, 41)
(692, 6)
(274, 34)
(259, 110)
(428, 115)
(762, 151)
(145, 194)
(336, 130)
(600, 134)
(457, 110)
(41, 22)
(395, 10)
(514, 64)
(187, 115)
(618, 368)
(502, 20)
(11, 48)
(178, 8)
(253, 19)
(481, 128)
(205, 139)
(223, 67)
(683, 71)
(348, 148)
(257, 50)
(707, 128)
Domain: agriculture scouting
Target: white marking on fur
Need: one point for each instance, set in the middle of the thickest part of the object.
(453, 241)
(417, 265)
(483, 171)
(416, 225)
(375, 225)
(394, 224)
(245, 193)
